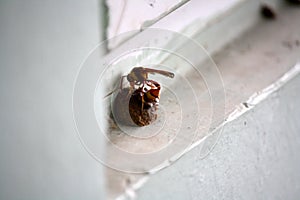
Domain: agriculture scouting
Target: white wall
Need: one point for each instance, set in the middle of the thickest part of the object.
(257, 157)
(42, 44)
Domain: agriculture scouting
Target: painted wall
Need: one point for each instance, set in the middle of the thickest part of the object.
(257, 157)
(42, 44)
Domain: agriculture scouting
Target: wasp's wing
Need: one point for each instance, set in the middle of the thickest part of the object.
(161, 72)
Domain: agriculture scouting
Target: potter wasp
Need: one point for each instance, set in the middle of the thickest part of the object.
(143, 95)
(138, 77)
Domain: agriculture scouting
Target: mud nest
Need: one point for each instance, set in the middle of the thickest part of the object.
(130, 109)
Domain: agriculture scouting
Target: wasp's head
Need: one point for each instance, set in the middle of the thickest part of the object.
(131, 78)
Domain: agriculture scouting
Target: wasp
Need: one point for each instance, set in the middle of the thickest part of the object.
(139, 77)
(143, 94)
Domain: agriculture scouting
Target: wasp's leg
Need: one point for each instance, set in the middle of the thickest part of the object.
(121, 82)
(117, 88)
(109, 94)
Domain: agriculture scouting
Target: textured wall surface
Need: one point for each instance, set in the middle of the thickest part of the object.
(42, 44)
(257, 157)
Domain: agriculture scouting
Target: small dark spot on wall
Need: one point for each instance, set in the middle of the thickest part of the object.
(245, 123)
(246, 104)
(151, 3)
(267, 12)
